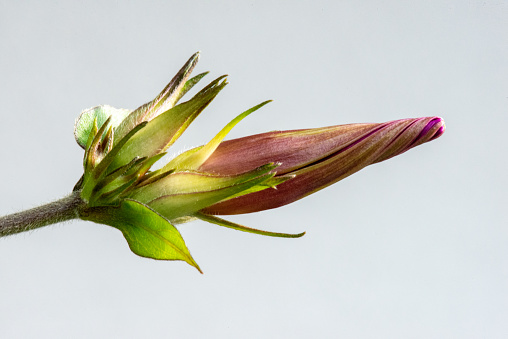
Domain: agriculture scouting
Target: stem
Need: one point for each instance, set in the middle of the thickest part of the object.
(54, 212)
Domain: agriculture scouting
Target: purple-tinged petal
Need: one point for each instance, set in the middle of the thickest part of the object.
(318, 157)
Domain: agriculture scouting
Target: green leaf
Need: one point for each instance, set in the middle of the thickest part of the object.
(84, 124)
(148, 234)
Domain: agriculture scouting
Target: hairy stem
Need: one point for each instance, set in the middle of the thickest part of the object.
(54, 212)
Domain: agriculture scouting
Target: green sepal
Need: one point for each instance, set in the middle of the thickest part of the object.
(148, 233)
(166, 99)
(85, 121)
(101, 169)
(192, 182)
(270, 183)
(92, 152)
(152, 177)
(194, 158)
(148, 163)
(189, 84)
(116, 179)
(121, 184)
(94, 175)
(112, 197)
(226, 223)
(162, 131)
(178, 205)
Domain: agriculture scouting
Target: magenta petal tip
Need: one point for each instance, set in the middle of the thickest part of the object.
(441, 127)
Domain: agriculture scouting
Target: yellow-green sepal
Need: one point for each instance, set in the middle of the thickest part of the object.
(229, 224)
(189, 84)
(194, 158)
(162, 131)
(268, 184)
(192, 182)
(178, 205)
(166, 99)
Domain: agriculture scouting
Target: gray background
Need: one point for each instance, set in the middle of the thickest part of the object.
(415, 247)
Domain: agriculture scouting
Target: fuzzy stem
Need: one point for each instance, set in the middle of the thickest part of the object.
(54, 212)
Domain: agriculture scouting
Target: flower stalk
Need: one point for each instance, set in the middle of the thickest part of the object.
(64, 209)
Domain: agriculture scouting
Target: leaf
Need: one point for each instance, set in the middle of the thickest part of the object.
(84, 123)
(148, 233)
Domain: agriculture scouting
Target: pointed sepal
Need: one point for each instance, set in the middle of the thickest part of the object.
(229, 224)
(194, 182)
(194, 158)
(182, 204)
(162, 131)
(189, 84)
(166, 99)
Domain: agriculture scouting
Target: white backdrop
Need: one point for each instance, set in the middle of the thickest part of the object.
(415, 247)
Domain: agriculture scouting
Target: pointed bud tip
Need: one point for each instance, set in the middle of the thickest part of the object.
(437, 125)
